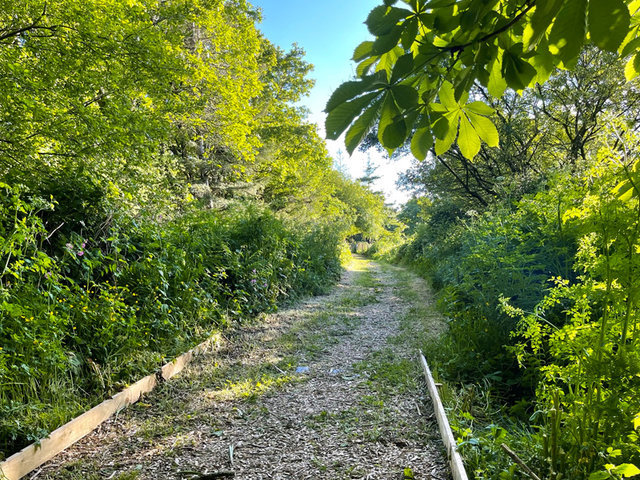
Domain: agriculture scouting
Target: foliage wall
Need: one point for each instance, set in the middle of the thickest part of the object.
(157, 184)
(533, 248)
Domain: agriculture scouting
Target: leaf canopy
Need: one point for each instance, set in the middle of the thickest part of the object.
(432, 53)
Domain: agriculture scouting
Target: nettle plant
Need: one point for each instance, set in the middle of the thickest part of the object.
(414, 78)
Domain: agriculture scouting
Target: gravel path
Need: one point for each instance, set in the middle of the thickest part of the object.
(355, 409)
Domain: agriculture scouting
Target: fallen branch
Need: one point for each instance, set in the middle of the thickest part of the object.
(517, 459)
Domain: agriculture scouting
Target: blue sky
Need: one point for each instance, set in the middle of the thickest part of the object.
(329, 31)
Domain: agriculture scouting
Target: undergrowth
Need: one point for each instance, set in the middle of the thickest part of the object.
(82, 316)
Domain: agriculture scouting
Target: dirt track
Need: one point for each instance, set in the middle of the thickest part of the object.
(325, 390)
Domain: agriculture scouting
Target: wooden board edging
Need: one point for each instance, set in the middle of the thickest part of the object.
(31, 457)
(455, 460)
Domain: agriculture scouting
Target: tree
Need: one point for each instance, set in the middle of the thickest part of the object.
(414, 79)
(369, 174)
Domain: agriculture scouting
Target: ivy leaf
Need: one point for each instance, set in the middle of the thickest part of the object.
(421, 142)
(340, 117)
(608, 23)
(361, 127)
(468, 139)
(568, 31)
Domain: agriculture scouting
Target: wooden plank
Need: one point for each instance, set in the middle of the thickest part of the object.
(34, 455)
(455, 460)
(31, 457)
(171, 369)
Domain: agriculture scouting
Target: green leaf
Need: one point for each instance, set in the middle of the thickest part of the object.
(568, 31)
(421, 142)
(362, 51)
(403, 66)
(387, 115)
(632, 68)
(485, 128)
(409, 33)
(608, 23)
(383, 19)
(624, 191)
(440, 127)
(543, 15)
(543, 62)
(361, 127)
(468, 140)
(480, 108)
(463, 84)
(627, 470)
(445, 20)
(365, 65)
(394, 134)
(447, 98)
(339, 118)
(387, 42)
(497, 84)
(440, 3)
(406, 97)
(599, 476)
(630, 46)
(388, 60)
(450, 122)
(349, 90)
(518, 73)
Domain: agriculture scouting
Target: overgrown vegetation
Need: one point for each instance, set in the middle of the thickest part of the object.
(157, 185)
(533, 250)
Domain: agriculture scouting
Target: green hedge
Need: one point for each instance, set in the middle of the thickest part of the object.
(81, 316)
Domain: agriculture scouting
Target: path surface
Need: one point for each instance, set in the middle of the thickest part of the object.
(356, 408)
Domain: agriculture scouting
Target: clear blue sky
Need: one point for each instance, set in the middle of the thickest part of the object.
(329, 31)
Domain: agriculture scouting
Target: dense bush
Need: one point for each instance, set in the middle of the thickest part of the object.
(474, 260)
(80, 322)
(541, 298)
